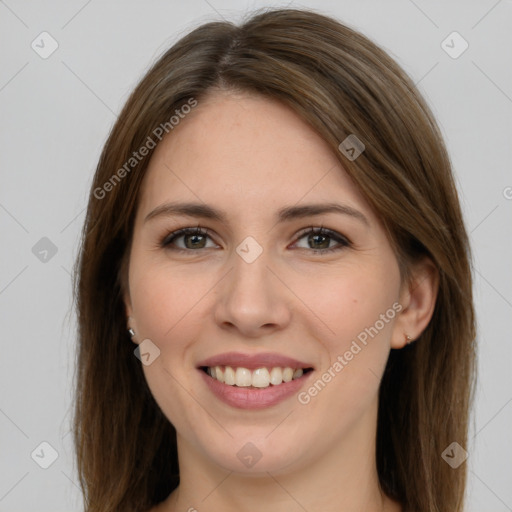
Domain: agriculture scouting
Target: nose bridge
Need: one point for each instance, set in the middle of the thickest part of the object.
(252, 297)
(250, 275)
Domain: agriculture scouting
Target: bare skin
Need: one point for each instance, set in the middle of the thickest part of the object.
(250, 157)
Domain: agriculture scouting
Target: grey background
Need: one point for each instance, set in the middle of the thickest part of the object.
(55, 114)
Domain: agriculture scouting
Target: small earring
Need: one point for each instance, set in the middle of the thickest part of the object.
(408, 339)
(131, 331)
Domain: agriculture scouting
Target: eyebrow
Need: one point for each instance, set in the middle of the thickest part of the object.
(201, 210)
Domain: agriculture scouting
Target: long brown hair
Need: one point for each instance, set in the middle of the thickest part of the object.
(340, 83)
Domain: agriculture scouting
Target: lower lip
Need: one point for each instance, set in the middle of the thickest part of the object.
(253, 398)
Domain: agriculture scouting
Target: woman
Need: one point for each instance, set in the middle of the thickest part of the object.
(274, 224)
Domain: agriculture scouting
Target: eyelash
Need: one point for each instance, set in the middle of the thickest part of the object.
(342, 240)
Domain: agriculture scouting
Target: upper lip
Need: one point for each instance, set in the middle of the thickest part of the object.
(253, 361)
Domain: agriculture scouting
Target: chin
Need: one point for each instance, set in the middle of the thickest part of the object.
(258, 451)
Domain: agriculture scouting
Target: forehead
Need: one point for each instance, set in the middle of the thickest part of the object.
(247, 152)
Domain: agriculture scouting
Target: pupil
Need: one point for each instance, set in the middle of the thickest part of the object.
(194, 238)
(321, 236)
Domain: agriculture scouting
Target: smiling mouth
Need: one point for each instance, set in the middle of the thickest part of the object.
(258, 378)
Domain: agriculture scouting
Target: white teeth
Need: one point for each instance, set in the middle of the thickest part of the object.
(243, 377)
(287, 374)
(258, 378)
(218, 374)
(296, 374)
(276, 376)
(229, 375)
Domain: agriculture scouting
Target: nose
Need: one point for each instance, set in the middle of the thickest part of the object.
(252, 298)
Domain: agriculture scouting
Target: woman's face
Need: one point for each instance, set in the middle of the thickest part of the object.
(258, 289)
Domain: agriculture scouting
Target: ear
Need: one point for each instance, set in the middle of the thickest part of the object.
(125, 290)
(418, 299)
(124, 285)
(130, 320)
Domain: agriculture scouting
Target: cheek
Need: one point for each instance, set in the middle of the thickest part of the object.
(347, 302)
(162, 301)
(166, 308)
(357, 315)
